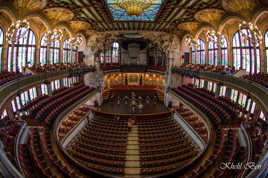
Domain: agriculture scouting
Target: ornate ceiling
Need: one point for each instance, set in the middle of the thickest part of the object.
(165, 14)
(172, 16)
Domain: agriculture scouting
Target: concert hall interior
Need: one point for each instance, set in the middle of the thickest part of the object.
(133, 88)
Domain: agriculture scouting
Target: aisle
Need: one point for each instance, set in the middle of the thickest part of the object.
(132, 165)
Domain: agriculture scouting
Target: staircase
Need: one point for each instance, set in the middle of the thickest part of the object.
(132, 165)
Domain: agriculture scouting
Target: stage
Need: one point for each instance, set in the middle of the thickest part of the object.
(133, 102)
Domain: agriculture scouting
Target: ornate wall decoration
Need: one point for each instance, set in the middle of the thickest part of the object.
(242, 7)
(77, 25)
(189, 26)
(30, 5)
(211, 16)
(58, 14)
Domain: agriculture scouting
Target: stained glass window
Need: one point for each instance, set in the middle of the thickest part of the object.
(121, 15)
(102, 58)
(4, 114)
(115, 55)
(13, 105)
(212, 53)
(193, 54)
(74, 53)
(200, 55)
(266, 49)
(1, 46)
(18, 102)
(224, 52)
(52, 84)
(44, 89)
(23, 52)
(66, 51)
(54, 52)
(43, 51)
(243, 52)
(262, 116)
(253, 107)
(248, 104)
(57, 84)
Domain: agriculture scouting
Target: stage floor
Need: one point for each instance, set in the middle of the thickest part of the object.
(147, 98)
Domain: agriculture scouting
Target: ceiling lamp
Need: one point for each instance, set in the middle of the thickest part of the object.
(189, 41)
(251, 34)
(18, 30)
(134, 8)
(254, 36)
(76, 41)
(53, 35)
(215, 37)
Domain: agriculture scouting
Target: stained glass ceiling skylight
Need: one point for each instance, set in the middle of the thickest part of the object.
(120, 14)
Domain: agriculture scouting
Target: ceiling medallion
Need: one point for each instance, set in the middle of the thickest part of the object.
(134, 8)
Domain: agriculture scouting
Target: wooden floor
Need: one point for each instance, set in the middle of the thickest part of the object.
(124, 107)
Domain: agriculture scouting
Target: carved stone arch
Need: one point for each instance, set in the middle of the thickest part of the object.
(260, 19)
(229, 19)
(7, 11)
(84, 41)
(203, 28)
(184, 47)
(40, 17)
(66, 27)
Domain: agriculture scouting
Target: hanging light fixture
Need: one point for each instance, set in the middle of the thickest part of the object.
(20, 28)
(53, 35)
(134, 8)
(215, 37)
(76, 41)
(189, 41)
(254, 36)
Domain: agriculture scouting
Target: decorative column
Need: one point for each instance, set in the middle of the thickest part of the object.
(255, 37)
(10, 112)
(168, 77)
(37, 54)
(4, 61)
(38, 90)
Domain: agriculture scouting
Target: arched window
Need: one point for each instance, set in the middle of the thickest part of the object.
(54, 52)
(243, 52)
(193, 54)
(74, 54)
(224, 52)
(200, 52)
(43, 50)
(108, 56)
(266, 50)
(102, 57)
(115, 55)
(212, 53)
(23, 52)
(66, 51)
(1, 46)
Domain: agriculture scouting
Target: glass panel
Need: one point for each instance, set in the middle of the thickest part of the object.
(13, 106)
(23, 52)
(148, 14)
(1, 47)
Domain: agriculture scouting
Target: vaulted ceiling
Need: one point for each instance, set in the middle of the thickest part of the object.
(99, 16)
